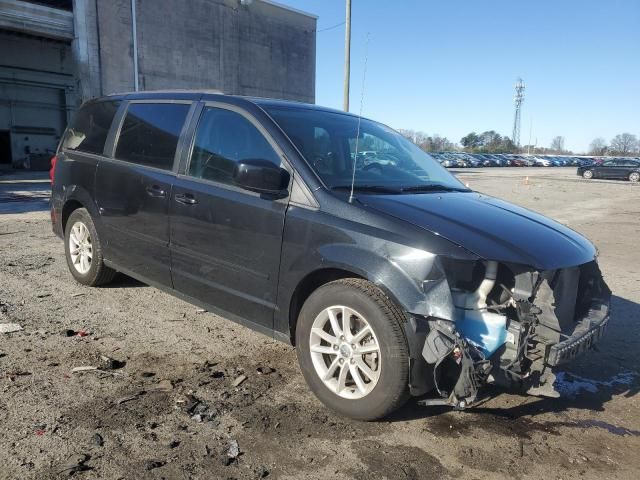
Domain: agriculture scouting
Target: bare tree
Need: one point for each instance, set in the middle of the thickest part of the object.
(598, 146)
(557, 144)
(624, 144)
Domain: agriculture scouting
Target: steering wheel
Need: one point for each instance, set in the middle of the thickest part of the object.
(373, 165)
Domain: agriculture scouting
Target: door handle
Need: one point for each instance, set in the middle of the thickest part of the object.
(185, 198)
(155, 191)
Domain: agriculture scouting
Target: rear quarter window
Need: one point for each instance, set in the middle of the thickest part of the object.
(89, 129)
(150, 132)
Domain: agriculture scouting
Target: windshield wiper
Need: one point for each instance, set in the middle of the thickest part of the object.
(368, 188)
(433, 187)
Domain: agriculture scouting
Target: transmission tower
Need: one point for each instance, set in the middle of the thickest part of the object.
(518, 99)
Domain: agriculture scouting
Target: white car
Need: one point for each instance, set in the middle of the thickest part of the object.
(541, 162)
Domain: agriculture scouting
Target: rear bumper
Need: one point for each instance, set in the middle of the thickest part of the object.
(586, 335)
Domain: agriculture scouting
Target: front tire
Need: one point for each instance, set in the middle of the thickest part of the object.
(352, 349)
(634, 177)
(83, 250)
(587, 174)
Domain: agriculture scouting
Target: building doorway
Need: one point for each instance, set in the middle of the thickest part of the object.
(5, 147)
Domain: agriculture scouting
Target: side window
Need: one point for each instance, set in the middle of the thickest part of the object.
(609, 163)
(88, 131)
(223, 138)
(150, 132)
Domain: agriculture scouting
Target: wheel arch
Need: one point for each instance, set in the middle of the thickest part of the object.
(77, 197)
(309, 284)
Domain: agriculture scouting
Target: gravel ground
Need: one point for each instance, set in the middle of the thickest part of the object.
(169, 398)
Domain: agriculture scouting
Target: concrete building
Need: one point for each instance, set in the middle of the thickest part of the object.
(55, 54)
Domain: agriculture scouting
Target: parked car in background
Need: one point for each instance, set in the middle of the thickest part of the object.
(540, 162)
(620, 169)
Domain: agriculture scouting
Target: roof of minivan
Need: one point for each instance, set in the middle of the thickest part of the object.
(213, 94)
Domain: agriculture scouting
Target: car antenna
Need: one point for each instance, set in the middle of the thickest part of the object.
(355, 156)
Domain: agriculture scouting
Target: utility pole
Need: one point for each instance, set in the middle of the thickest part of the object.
(347, 56)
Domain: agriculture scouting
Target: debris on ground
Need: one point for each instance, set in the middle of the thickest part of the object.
(84, 368)
(129, 398)
(231, 453)
(199, 410)
(74, 333)
(78, 294)
(239, 380)
(10, 327)
(77, 464)
(153, 464)
(108, 363)
(98, 440)
(262, 472)
(265, 370)
(234, 449)
(174, 444)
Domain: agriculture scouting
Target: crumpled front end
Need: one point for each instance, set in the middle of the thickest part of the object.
(510, 325)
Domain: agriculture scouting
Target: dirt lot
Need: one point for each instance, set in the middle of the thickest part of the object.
(166, 407)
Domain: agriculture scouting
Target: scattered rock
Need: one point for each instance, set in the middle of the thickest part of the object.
(265, 370)
(85, 368)
(262, 472)
(148, 374)
(108, 363)
(234, 449)
(10, 327)
(174, 444)
(98, 440)
(153, 464)
(43, 295)
(199, 410)
(239, 380)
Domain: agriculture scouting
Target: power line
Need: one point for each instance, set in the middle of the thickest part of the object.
(330, 28)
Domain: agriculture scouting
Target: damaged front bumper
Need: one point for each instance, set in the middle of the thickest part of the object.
(594, 326)
(511, 329)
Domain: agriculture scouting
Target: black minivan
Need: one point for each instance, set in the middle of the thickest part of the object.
(331, 232)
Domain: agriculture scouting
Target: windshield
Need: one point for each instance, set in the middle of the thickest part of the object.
(384, 161)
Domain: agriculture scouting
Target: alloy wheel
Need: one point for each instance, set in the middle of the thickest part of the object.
(345, 352)
(80, 248)
(588, 174)
(634, 177)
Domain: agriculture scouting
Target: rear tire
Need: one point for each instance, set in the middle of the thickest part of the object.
(83, 250)
(634, 177)
(587, 174)
(360, 370)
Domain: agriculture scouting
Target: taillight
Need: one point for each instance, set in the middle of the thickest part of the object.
(52, 171)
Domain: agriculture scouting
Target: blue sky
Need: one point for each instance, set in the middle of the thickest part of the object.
(448, 67)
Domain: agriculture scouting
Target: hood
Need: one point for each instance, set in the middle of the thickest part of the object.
(490, 228)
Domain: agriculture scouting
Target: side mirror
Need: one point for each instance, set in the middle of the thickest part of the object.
(261, 176)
